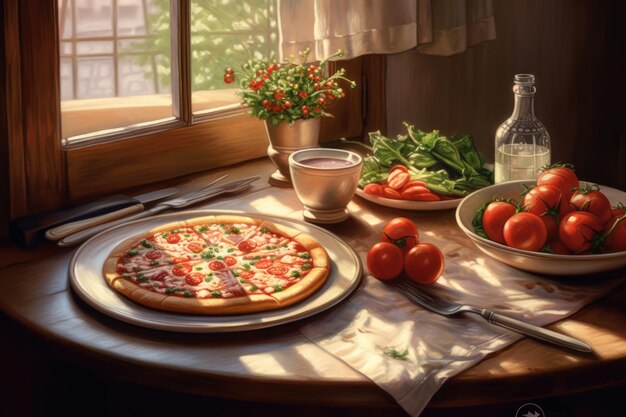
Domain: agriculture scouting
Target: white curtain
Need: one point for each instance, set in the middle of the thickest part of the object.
(359, 27)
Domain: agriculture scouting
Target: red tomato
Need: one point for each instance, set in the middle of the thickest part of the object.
(402, 232)
(159, 277)
(173, 238)
(579, 230)
(398, 178)
(374, 189)
(278, 270)
(399, 167)
(194, 278)
(525, 231)
(216, 265)
(263, 264)
(591, 200)
(153, 254)
(547, 202)
(181, 259)
(195, 247)
(247, 246)
(391, 193)
(559, 248)
(495, 216)
(413, 184)
(419, 196)
(424, 263)
(230, 261)
(562, 178)
(615, 234)
(618, 211)
(181, 270)
(246, 274)
(385, 260)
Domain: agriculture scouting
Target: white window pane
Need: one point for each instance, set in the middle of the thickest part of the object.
(67, 81)
(94, 47)
(96, 78)
(94, 18)
(136, 76)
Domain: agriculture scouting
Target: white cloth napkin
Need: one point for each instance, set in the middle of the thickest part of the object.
(410, 352)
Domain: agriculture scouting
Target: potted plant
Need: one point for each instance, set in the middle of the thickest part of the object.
(291, 98)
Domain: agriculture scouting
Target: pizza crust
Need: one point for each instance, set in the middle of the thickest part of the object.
(110, 269)
(306, 240)
(303, 288)
(319, 258)
(232, 219)
(165, 228)
(220, 306)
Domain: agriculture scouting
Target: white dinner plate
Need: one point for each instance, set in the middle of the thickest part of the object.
(537, 262)
(410, 205)
(88, 282)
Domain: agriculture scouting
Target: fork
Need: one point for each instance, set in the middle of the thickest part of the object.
(438, 305)
(176, 203)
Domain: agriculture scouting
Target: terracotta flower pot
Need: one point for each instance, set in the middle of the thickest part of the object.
(284, 139)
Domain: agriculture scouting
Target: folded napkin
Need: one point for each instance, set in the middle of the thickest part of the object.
(410, 352)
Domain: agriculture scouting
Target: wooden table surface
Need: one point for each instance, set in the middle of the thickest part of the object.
(279, 364)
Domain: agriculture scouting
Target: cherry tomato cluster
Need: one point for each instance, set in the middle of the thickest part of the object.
(558, 215)
(288, 91)
(399, 186)
(400, 250)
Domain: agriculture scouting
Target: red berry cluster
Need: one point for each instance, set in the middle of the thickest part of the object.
(288, 91)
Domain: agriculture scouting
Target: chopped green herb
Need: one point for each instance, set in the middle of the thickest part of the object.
(171, 290)
(284, 245)
(175, 231)
(133, 252)
(275, 247)
(304, 255)
(186, 235)
(278, 288)
(227, 232)
(235, 230)
(164, 235)
(208, 279)
(258, 258)
(198, 268)
(243, 281)
(221, 258)
(147, 244)
(264, 230)
(222, 225)
(295, 274)
(215, 294)
(253, 288)
(188, 293)
(393, 353)
(126, 260)
(246, 267)
(306, 267)
(268, 247)
(179, 266)
(127, 276)
(235, 273)
(230, 250)
(170, 262)
(154, 263)
(203, 229)
(142, 278)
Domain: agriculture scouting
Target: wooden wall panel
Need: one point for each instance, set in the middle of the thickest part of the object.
(45, 185)
(576, 51)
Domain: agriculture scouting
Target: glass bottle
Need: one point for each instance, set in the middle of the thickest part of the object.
(522, 142)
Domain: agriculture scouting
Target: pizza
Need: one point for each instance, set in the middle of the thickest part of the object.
(218, 265)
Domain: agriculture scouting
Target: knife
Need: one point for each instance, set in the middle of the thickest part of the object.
(175, 203)
(59, 232)
(29, 230)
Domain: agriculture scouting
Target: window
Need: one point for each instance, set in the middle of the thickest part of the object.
(183, 119)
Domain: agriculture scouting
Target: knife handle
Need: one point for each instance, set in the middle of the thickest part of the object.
(60, 232)
(30, 230)
(535, 331)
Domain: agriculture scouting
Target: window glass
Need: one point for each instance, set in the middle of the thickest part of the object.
(115, 64)
(225, 33)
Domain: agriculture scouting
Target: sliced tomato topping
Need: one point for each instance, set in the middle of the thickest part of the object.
(181, 259)
(246, 274)
(216, 265)
(173, 238)
(194, 278)
(230, 261)
(181, 270)
(263, 264)
(153, 254)
(298, 247)
(195, 247)
(278, 270)
(247, 246)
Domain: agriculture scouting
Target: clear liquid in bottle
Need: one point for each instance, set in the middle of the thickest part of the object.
(522, 144)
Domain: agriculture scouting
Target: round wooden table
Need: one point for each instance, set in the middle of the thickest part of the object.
(279, 365)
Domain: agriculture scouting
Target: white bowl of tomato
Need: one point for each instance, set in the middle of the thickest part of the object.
(548, 232)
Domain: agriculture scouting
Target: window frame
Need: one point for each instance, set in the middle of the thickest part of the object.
(44, 173)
